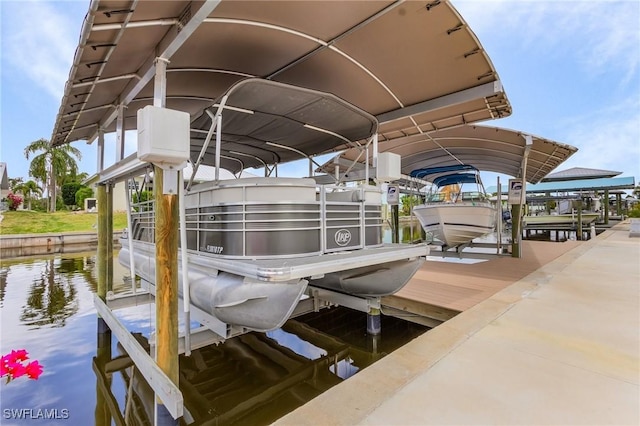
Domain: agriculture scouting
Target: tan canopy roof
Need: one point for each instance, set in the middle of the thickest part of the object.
(487, 148)
(414, 65)
(266, 122)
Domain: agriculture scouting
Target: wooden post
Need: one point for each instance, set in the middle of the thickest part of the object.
(101, 263)
(109, 237)
(166, 231)
(579, 229)
(516, 232)
(547, 204)
(396, 224)
(606, 206)
(102, 414)
(619, 204)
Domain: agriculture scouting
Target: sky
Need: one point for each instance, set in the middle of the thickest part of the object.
(571, 70)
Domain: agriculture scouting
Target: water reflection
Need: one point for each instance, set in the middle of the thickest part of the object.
(52, 297)
(257, 378)
(46, 307)
(410, 232)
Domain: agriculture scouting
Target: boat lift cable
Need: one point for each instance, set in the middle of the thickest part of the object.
(132, 269)
(428, 135)
(185, 266)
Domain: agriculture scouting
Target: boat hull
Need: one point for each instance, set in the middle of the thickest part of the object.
(456, 224)
(233, 299)
(373, 281)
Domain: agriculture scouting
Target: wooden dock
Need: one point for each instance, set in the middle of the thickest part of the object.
(441, 290)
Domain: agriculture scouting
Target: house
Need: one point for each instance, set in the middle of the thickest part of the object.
(4, 187)
(4, 181)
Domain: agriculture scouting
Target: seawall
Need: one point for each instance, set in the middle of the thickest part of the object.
(27, 244)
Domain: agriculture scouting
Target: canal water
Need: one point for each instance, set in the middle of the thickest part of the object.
(46, 308)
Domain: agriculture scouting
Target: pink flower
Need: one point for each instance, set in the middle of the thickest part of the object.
(17, 370)
(19, 355)
(11, 365)
(34, 370)
(4, 366)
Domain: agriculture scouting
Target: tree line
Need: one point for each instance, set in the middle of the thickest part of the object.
(54, 172)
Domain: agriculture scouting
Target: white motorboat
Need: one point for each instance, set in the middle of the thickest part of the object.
(254, 245)
(456, 209)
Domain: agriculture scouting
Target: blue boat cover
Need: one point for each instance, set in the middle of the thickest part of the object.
(424, 173)
(455, 178)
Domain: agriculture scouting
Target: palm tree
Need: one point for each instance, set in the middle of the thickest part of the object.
(28, 189)
(52, 165)
(14, 182)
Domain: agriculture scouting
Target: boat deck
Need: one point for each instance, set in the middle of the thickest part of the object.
(559, 346)
(459, 286)
(285, 269)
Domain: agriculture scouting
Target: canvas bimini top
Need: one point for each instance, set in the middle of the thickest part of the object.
(267, 122)
(447, 175)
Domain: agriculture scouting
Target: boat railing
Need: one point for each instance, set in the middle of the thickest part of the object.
(474, 196)
(454, 197)
(263, 219)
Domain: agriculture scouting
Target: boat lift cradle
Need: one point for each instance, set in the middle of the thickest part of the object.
(336, 273)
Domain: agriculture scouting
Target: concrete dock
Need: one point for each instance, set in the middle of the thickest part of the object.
(559, 346)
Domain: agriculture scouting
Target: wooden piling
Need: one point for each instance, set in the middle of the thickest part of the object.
(102, 413)
(395, 219)
(166, 233)
(516, 230)
(101, 263)
(606, 206)
(109, 237)
(579, 229)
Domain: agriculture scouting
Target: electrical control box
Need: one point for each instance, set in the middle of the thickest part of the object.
(388, 167)
(163, 135)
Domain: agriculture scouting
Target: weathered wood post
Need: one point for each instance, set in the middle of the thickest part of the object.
(396, 224)
(109, 237)
(579, 228)
(105, 245)
(516, 231)
(102, 414)
(166, 231)
(159, 129)
(606, 206)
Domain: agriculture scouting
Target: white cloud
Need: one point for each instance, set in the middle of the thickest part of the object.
(608, 139)
(40, 42)
(601, 35)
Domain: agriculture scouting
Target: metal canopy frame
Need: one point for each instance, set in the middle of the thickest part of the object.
(487, 148)
(349, 49)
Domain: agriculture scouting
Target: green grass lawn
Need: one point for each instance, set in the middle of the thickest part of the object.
(30, 222)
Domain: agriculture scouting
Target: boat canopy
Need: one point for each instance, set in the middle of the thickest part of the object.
(457, 178)
(448, 175)
(267, 122)
(491, 149)
(427, 173)
(415, 65)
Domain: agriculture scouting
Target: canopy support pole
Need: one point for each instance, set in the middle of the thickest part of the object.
(166, 239)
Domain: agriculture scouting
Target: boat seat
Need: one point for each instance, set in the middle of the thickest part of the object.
(345, 196)
(255, 189)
